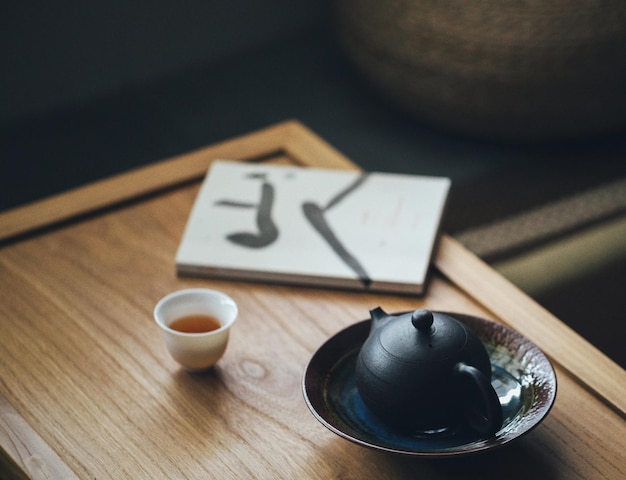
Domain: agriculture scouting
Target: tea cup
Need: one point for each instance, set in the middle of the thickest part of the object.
(200, 348)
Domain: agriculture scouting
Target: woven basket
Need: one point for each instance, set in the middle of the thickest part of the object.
(506, 69)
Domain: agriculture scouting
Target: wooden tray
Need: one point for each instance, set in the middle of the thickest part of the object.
(88, 390)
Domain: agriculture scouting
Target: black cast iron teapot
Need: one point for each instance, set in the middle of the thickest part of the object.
(425, 371)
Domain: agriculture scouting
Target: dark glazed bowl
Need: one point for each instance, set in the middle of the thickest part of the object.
(522, 376)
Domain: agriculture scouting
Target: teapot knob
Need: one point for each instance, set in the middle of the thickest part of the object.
(422, 320)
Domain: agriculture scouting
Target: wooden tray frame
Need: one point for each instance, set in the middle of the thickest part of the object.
(601, 376)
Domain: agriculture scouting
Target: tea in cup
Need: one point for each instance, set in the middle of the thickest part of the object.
(196, 324)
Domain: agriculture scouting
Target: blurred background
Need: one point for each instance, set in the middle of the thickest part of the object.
(521, 104)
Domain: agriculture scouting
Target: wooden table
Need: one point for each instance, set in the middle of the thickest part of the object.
(87, 389)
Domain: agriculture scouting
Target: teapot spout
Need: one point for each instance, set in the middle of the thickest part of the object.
(378, 317)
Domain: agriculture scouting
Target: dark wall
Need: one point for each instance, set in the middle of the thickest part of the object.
(62, 53)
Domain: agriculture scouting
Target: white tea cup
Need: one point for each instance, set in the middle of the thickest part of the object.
(196, 347)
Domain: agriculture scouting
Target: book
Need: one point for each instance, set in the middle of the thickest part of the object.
(312, 226)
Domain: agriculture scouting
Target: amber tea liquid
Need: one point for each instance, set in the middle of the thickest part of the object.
(195, 324)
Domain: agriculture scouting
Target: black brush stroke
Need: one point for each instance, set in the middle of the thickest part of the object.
(315, 215)
(268, 231)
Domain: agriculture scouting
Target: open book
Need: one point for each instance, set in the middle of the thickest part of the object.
(311, 226)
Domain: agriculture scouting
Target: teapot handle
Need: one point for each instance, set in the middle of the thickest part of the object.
(485, 413)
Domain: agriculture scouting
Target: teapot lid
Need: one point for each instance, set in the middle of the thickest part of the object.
(423, 336)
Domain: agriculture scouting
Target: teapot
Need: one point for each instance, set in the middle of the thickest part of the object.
(427, 372)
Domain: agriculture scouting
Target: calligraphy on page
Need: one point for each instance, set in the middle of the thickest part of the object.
(310, 226)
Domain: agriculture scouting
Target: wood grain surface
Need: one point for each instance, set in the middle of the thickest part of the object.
(88, 389)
